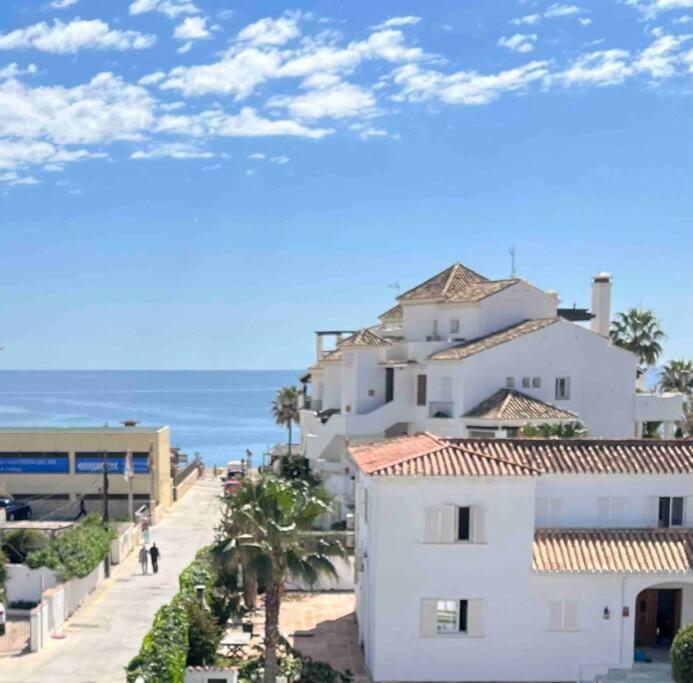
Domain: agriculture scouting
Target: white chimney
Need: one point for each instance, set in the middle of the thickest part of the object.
(601, 303)
(318, 346)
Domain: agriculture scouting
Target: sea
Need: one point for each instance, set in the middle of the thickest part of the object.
(216, 413)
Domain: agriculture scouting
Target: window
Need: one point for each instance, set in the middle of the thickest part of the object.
(463, 526)
(548, 512)
(509, 382)
(563, 615)
(389, 384)
(435, 327)
(421, 390)
(670, 512)
(454, 325)
(451, 617)
(452, 523)
(526, 382)
(536, 382)
(562, 388)
(481, 433)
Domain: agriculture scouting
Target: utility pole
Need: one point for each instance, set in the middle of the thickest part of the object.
(107, 560)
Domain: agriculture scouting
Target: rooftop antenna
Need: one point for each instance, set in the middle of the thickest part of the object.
(512, 261)
(395, 286)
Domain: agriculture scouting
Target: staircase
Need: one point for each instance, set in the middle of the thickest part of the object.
(640, 673)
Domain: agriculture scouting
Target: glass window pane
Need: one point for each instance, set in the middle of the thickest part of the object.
(463, 615)
(676, 511)
(463, 524)
(664, 507)
(446, 617)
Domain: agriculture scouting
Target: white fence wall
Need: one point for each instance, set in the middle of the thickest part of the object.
(343, 582)
(27, 584)
(128, 538)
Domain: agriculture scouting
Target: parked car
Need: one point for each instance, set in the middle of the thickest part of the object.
(14, 509)
(3, 619)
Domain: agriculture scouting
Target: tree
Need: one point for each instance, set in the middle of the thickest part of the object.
(263, 530)
(569, 430)
(682, 655)
(638, 331)
(677, 375)
(285, 410)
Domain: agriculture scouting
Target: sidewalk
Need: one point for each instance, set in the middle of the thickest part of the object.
(107, 631)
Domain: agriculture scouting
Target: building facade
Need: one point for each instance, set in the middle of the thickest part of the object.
(464, 356)
(518, 560)
(51, 468)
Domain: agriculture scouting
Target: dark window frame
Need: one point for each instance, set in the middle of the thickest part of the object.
(421, 390)
(463, 616)
(464, 523)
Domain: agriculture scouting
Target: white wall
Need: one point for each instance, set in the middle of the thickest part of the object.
(601, 376)
(518, 641)
(417, 321)
(513, 305)
(343, 582)
(579, 495)
(24, 584)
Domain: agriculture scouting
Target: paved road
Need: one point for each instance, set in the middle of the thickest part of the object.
(106, 632)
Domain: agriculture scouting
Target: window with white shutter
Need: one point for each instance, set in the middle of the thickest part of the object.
(563, 615)
(548, 512)
(440, 524)
(443, 617)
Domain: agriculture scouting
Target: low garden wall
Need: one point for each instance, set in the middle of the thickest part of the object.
(26, 585)
(343, 582)
(129, 536)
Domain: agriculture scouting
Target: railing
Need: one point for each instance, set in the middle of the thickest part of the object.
(441, 409)
(180, 475)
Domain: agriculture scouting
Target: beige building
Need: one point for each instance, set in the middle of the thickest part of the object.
(51, 468)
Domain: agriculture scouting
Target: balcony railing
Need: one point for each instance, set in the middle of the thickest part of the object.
(441, 409)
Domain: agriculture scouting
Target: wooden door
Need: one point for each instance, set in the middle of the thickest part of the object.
(646, 619)
(389, 384)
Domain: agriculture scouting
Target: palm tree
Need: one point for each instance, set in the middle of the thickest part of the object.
(677, 375)
(638, 331)
(263, 530)
(285, 409)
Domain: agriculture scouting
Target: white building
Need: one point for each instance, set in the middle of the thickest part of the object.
(464, 356)
(521, 559)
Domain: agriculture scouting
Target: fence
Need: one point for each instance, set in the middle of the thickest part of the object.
(184, 479)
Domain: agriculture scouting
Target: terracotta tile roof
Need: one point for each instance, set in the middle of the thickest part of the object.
(591, 456)
(477, 292)
(469, 348)
(444, 285)
(394, 313)
(619, 551)
(364, 337)
(509, 404)
(425, 455)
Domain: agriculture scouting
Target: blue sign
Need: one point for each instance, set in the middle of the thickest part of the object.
(34, 465)
(94, 464)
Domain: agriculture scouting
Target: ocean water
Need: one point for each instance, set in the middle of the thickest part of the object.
(217, 413)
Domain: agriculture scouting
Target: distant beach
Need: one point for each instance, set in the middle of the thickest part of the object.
(218, 413)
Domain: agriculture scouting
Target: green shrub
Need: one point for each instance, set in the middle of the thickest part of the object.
(17, 544)
(76, 552)
(165, 648)
(197, 573)
(682, 655)
(204, 634)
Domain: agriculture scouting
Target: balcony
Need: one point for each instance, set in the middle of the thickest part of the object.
(658, 407)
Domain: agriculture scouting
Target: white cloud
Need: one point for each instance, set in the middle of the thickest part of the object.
(600, 68)
(520, 42)
(247, 123)
(63, 4)
(465, 87)
(659, 60)
(281, 160)
(13, 70)
(250, 171)
(584, 21)
(172, 150)
(76, 35)
(395, 22)
(171, 8)
(270, 31)
(152, 79)
(257, 156)
(687, 19)
(104, 109)
(20, 153)
(185, 48)
(344, 100)
(192, 28)
(13, 178)
(529, 19)
(559, 10)
(371, 132)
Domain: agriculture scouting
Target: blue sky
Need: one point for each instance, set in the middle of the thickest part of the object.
(201, 184)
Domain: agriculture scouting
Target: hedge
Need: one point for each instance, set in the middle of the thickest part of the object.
(75, 552)
(165, 647)
(682, 655)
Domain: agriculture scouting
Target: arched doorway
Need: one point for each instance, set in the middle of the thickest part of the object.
(657, 619)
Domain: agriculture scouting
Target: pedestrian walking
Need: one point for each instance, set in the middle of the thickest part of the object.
(154, 554)
(144, 558)
(82, 507)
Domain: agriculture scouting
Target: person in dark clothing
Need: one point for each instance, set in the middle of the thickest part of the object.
(82, 507)
(154, 554)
